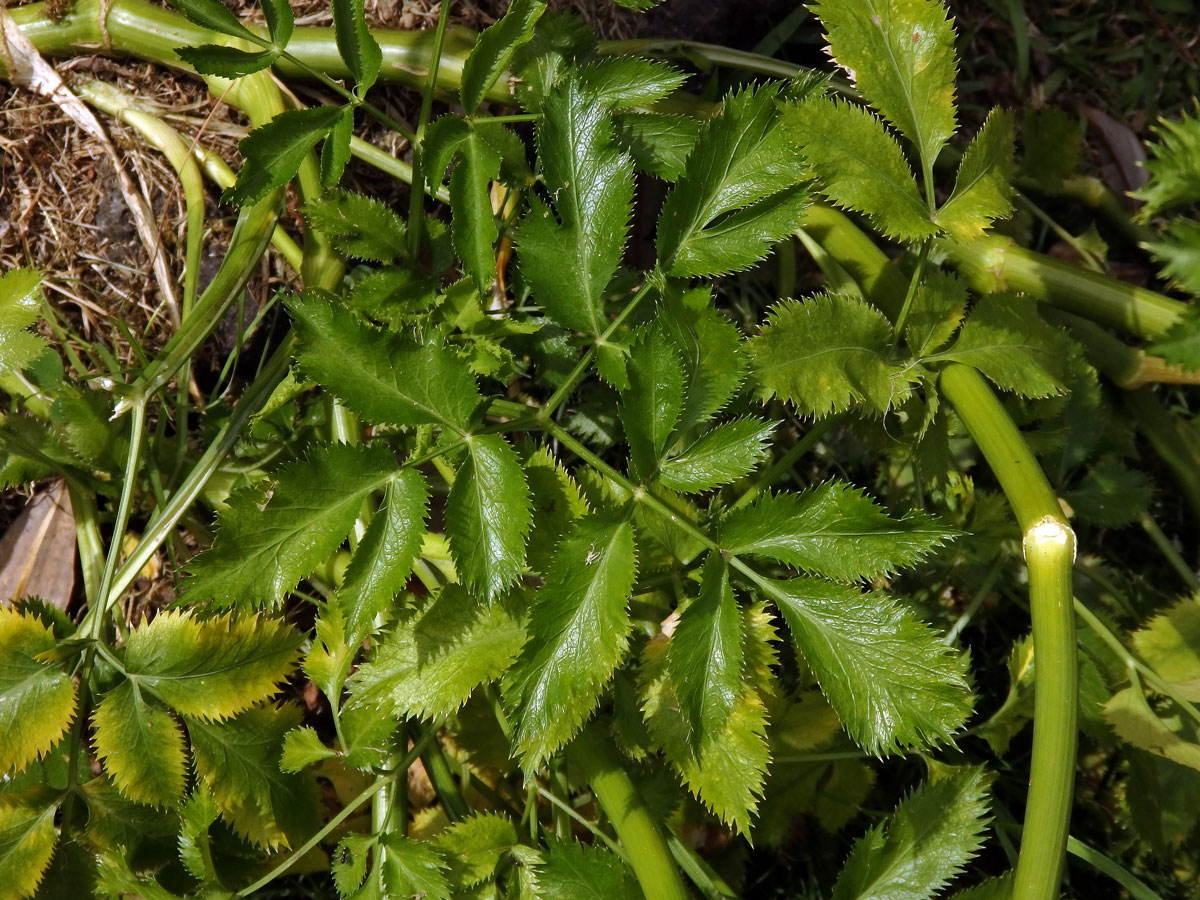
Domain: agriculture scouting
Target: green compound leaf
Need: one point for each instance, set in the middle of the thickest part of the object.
(900, 54)
(983, 190)
(938, 308)
(215, 15)
(718, 457)
(622, 82)
(926, 842)
(413, 869)
(705, 659)
(892, 681)
(302, 747)
(239, 761)
(1006, 340)
(475, 846)
(711, 347)
(494, 49)
(274, 151)
(335, 151)
(827, 354)
(742, 159)
(1180, 345)
(557, 502)
(27, 839)
(384, 558)
(728, 769)
(833, 529)
(281, 21)
(196, 816)
(1168, 732)
(472, 224)
(573, 871)
(226, 62)
(358, 226)
(20, 305)
(211, 669)
(488, 516)
(1110, 494)
(141, 745)
(275, 533)
(429, 664)
(578, 629)
(384, 377)
(38, 699)
(1174, 167)
(650, 407)
(659, 143)
(569, 256)
(355, 44)
(1170, 643)
(860, 166)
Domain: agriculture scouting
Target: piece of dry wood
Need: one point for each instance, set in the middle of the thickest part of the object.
(37, 553)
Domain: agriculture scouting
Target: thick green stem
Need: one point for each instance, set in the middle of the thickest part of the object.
(644, 844)
(1049, 554)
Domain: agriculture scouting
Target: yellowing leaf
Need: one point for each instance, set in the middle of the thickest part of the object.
(20, 305)
(36, 700)
(1170, 643)
(214, 668)
(27, 839)
(141, 746)
(983, 189)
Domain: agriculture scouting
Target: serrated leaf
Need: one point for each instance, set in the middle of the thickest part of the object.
(1051, 145)
(622, 82)
(578, 629)
(1006, 340)
(20, 305)
(350, 860)
(742, 158)
(355, 44)
(274, 151)
(827, 354)
(213, 14)
(239, 759)
(473, 224)
(983, 189)
(569, 256)
(938, 308)
(358, 226)
(934, 832)
(705, 659)
(718, 457)
(900, 54)
(80, 419)
(116, 880)
(999, 888)
(273, 534)
(728, 770)
(494, 49)
(1170, 643)
(226, 62)
(1180, 345)
(1169, 733)
(429, 664)
(1111, 494)
(860, 166)
(892, 681)
(475, 846)
(281, 21)
(442, 139)
(557, 502)
(212, 668)
(384, 377)
(1179, 253)
(659, 143)
(413, 869)
(1174, 167)
(650, 407)
(196, 816)
(141, 745)
(572, 871)
(488, 516)
(335, 151)
(301, 748)
(27, 839)
(384, 558)
(710, 346)
(38, 699)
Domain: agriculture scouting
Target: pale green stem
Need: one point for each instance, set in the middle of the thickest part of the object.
(416, 213)
(1170, 554)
